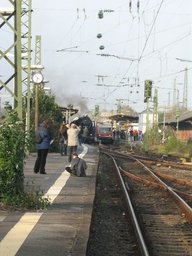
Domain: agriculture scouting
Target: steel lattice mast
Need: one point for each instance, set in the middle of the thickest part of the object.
(26, 56)
(37, 50)
(37, 63)
(15, 58)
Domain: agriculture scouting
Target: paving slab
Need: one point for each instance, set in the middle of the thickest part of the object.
(63, 228)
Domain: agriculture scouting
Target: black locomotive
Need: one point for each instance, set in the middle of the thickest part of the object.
(85, 121)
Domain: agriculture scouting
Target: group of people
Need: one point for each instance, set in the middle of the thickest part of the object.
(130, 135)
(69, 139)
(68, 144)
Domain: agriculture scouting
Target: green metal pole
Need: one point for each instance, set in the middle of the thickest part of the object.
(26, 61)
(38, 50)
(147, 118)
(37, 62)
(18, 103)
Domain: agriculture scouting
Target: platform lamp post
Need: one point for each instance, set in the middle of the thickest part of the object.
(37, 79)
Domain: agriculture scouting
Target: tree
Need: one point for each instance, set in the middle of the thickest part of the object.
(47, 107)
(50, 110)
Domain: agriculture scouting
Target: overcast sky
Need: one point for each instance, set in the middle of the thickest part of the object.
(142, 43)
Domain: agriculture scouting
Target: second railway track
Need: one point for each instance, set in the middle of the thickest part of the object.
(163, 220)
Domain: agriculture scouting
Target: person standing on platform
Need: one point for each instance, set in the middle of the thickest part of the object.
(42, 147)
(73, 140)
(80, 135)
(85, 134)
(63, 139)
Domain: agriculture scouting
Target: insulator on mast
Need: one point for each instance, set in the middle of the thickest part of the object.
(138, 4)
(130, 4)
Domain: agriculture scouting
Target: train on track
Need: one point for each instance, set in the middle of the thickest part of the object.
(85, 121)
(104, 133)
(98, 132)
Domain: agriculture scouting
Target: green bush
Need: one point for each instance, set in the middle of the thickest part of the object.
(12, 154)
(14, 143)
(26, 201)
(151, 137)
(173, 145)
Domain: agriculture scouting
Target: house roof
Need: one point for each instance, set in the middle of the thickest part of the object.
(121, 117)
(184, 117)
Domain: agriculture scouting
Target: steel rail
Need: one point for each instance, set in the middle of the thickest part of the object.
(139, 236)
(181, 203)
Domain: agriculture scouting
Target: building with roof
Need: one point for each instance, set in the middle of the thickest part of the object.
(182, 125)
(146, 119)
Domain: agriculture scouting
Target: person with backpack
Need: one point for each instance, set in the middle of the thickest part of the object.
(43, 140)
(78, 166)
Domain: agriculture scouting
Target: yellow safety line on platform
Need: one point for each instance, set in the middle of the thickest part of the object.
(12, 242)
(17, 235)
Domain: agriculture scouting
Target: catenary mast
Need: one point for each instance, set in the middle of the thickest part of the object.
(16, 55)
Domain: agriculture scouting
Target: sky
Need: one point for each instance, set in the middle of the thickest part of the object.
(152, 42)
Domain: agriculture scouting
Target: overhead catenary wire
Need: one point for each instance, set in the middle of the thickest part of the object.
(169, 44)
(151, 30)
(119, 65)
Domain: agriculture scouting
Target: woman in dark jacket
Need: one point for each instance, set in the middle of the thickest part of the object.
(42, 147)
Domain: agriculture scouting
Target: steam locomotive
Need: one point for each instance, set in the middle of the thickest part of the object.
(85, 121)
(98, 132)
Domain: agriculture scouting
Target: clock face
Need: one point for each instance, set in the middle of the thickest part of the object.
(37, 78)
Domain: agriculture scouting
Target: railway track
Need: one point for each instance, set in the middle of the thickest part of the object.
(111, 230)
(161, 217)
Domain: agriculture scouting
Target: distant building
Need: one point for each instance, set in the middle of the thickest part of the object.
(181, 126)
(145, 117)
(123, 122)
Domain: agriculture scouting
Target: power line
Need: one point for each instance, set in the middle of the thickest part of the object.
(115, 56)
(167, 45)
(175, 73)
(151, 30)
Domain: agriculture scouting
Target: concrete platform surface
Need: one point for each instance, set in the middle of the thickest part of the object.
(63, 228)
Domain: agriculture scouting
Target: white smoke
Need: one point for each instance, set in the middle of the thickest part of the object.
(76, 101)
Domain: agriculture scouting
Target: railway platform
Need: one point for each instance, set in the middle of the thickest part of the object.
(63, 228)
